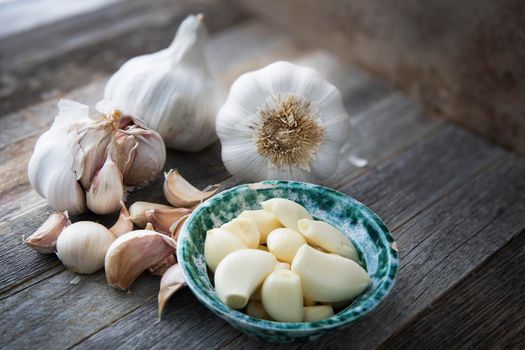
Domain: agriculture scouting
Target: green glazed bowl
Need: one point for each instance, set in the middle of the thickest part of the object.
(376, 247)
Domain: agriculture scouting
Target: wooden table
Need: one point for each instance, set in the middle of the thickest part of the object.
(455, 204)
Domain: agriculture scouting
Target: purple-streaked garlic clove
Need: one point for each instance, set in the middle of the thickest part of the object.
(163, 219)
(138, 212)
(160, 268)
(123, 224)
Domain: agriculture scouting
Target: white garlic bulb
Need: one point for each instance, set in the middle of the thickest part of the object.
(82, 246)
(282, 122)
(172, 90)
(86, 161)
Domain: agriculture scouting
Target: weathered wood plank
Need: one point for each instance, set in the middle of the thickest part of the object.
(486, 310)
(69, 53)
(440, 142)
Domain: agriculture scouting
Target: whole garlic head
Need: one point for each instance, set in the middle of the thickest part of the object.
(171, 90)
(82, 246)
(89, 160)
(282, 122)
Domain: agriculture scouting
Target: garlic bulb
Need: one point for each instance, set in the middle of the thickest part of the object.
(82, 246)
(172, 90)
(86, 161)
(282, 122)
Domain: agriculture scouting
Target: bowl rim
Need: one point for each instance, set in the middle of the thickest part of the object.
(367, 305)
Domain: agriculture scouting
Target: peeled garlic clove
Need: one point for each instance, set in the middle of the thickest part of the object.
(44, 239)
(177, 226)
(162, 219)
(82, 246)
(138, 211)
(172, 281)
(329, 277)
(123, 224)
(285, 122)
(326, 236)
(317, 313)
(286, 211)
(256, 309)
(266, 222)
(107, 190)
(245, 230)
(172, 90)
(160, 268)
(282, 266)
(180, 193)
(132, 253)
(284, 243)
(219, 244)
(240, 273)
(282, 296)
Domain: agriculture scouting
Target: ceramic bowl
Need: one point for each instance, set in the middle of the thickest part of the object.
(377, 250)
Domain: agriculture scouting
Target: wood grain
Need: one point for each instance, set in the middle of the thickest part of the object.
(486, 310)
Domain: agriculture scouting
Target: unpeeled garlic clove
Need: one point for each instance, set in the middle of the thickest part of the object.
(180, 193)
(82, 246)
(240, 273)
(107, 189)
(162, 219)
(172, 281)
(317, 313)
(245, 230)
(265, 221)
(132, 253)
(256, 309)
(137, 212)
(282, 296)
(123, 224)
(162, 266)
(284, 243)
(177, 226)
(286, 211)
(329, 277)
(149, 227)
(44, 239)
(218, 244)
(324, 235)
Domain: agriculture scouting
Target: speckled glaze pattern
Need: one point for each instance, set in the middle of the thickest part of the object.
(376, 247)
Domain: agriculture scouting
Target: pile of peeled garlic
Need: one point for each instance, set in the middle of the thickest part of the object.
(279, 264)
(85, 247)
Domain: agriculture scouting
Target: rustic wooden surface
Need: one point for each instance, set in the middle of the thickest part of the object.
(455, 204)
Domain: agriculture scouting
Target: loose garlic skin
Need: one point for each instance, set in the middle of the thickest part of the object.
(284, 122)
(282, 296)
(286, 211)
(82, 246)
(218, 244)
(329, 238)
(329, 277)
(284, 243)
(317, 313)
(240, 273)
(245, 230)
(266, 222)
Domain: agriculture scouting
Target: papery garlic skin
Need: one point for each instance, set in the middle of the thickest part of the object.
(284, 243)
(329, 277)
(172, 281)
(172, 90)
(282, 296)
(317, 313)
(240, 273)
(44, 240)
(84, 153)
(245, 230)
(286, 211)
(265, 221)
(137, 212)
(218, 244)
(324, 235)
(283, 121)
(82, 246)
